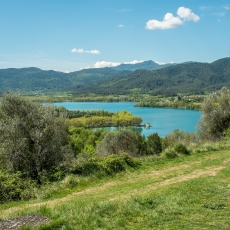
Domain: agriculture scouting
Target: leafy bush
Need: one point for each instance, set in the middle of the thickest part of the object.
(104, 165)
(170, 153)
(154, 145)
(178, 136)
(14, 187)
(85, 140)
(215, 115)
(182, 149)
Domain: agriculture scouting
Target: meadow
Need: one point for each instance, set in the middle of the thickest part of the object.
(188, 192)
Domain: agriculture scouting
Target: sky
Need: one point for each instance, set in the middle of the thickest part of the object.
(70, 35)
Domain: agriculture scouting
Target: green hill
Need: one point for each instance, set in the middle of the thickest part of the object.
(32, 80)
(191, 77)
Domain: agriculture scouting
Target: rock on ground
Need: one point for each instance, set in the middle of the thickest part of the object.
(18, 222)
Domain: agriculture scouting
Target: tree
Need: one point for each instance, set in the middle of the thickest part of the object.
(215, 117)
(32, 136)
(154, 145)
(120, 142)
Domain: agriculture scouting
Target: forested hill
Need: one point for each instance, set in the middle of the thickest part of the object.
(192, 77)
(28, 80)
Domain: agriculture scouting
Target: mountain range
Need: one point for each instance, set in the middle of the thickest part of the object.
(145, 77)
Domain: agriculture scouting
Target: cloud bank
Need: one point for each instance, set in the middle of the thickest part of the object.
(170, 21)
(74, 50)
(102, 64)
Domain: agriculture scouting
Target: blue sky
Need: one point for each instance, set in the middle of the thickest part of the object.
(68, 35)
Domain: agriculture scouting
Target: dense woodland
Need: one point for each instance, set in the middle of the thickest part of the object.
(186, 78)
(195, 78)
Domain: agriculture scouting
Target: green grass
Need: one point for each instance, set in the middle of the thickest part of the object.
(188, 192)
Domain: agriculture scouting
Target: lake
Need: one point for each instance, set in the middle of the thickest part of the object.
(162, 120)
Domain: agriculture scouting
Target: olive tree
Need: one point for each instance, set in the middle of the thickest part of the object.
(119, 142)
(215, 117)
(32, 136)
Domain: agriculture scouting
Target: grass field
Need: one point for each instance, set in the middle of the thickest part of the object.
(189, 192)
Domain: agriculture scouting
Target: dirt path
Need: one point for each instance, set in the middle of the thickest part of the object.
(168, 182)
(156, 174)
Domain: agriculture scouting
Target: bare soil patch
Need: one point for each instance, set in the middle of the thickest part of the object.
(18, 222)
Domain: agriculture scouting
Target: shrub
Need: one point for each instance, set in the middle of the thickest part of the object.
(178, 136)
(14, 187)
(170, 153)
(215, 115)
(154, 146)
(182, 149)
(104, 165)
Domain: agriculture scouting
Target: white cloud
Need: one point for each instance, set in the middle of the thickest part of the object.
(120, 26)
(133, 62)
(227, 7)
(93, 51)
(102, 64)
(74, 50)
(170, 21)
(219, 20)
(187, 14)
(160, 62)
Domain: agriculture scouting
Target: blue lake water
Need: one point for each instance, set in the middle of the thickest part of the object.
(162, 120)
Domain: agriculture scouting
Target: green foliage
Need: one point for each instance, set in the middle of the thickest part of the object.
(215, 115)
(170, 153)
(120, 142)
(32, 136)
(121, 118)
(178, 136)
(83, 113)
(195, 78)
(34, 80)
(103, 165)
(13, 186)
(181, 149)
(85, 140)
(154, 145)
(185, 102)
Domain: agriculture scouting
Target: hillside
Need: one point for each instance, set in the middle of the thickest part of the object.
(35, 80)
(191, 77)
(190, 192)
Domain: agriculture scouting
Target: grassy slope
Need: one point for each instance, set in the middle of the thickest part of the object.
(191, 192)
